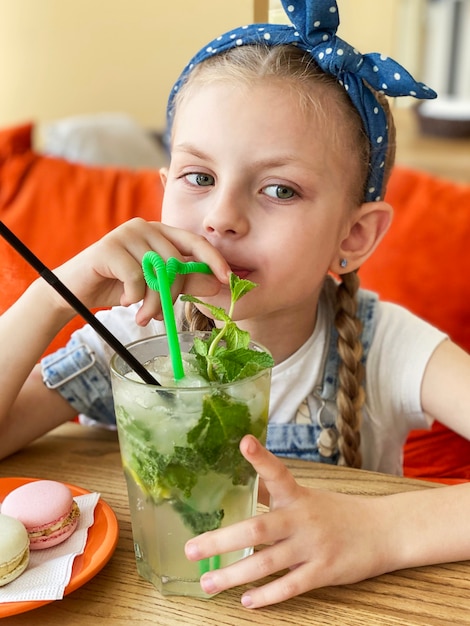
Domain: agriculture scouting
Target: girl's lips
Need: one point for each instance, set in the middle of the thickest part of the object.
(240, 272)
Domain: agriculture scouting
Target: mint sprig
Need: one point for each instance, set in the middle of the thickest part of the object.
(233, 359)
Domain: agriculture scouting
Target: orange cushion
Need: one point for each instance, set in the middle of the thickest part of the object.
(421, 261)
(438, 454)
(58, 208)
(421, 265)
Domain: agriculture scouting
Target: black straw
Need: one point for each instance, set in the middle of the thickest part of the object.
(74, 302)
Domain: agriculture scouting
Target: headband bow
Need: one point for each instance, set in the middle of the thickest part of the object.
(313, 29)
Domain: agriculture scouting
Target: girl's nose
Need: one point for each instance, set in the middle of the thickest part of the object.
(226, 216)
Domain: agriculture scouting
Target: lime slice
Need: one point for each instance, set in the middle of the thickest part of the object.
(157, 493)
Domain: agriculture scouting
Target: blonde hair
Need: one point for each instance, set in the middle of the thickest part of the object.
(299, 72)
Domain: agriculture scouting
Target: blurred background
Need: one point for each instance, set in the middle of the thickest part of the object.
(63, 58)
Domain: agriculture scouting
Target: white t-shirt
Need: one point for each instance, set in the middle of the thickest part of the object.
(397, 358)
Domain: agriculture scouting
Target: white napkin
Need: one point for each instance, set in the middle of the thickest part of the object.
(49, 570)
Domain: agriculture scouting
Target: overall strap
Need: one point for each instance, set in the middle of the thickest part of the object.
(366, 312)
(315, 437)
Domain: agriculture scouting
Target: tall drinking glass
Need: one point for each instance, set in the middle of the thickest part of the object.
(180, 452)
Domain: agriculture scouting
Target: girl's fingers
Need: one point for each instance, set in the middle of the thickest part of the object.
(150, 309)
(110, 271)
(136, 237)
(251, 532)
(259, 565)
(289, 585)
(198, 248)
(201, 285)
(277, 479)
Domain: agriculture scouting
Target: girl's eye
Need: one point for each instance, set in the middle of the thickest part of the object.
(202, 180)
(280, 192)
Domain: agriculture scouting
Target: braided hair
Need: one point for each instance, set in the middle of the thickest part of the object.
(351, 394)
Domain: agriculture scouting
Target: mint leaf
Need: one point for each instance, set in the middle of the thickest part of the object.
(217, 435)
(199, 522)
(181, 470)
(217, 312)
(235, 338)
(201, 346)
(223, 422)
(164, 476)
(239, 287)
(231, 365)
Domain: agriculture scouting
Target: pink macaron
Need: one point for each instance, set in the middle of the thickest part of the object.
(47, 510)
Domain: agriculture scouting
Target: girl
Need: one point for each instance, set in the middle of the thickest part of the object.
(281, 145)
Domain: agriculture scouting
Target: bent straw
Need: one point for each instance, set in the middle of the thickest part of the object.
(209, 564)
(76, 304)
(159, 276)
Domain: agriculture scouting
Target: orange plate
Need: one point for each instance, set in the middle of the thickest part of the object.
(101, 543)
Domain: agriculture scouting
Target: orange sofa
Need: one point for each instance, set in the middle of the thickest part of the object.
(57, 208)
(421, 265)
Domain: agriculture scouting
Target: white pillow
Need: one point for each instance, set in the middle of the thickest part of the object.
(113, 139)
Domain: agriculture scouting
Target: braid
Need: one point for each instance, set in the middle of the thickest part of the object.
(351, 395)
(195, 320)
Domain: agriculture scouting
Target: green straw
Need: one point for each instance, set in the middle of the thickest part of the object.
(207, 565)
(159, 276)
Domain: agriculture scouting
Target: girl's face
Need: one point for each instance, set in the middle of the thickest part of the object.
(253, 172)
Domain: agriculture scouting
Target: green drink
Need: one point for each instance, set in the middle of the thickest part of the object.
(184, 471)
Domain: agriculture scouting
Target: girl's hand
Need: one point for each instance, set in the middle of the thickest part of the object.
(109, 272)
(321, 538)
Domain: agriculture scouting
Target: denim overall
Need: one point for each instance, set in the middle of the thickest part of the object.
(301, 441)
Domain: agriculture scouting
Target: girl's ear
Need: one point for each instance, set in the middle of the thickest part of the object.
(163, 175)
(369, 224)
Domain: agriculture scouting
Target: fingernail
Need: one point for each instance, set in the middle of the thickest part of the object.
(247, 601)
(251, 445)
(208, 584)
(192, 551)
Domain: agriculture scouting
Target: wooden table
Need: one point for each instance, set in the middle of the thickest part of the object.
(431, 596)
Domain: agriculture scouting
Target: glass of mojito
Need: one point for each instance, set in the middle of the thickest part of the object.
(179, 445)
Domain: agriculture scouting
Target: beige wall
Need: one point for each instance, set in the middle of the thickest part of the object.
(66, 57)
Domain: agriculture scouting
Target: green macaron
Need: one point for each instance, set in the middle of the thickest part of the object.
(14, 549)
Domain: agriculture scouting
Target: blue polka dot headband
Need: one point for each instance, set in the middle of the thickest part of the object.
(313, 29)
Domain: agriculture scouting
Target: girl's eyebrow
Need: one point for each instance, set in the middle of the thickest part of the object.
(190, 149)
(288, 159)
(262, 163)
(277, 161)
